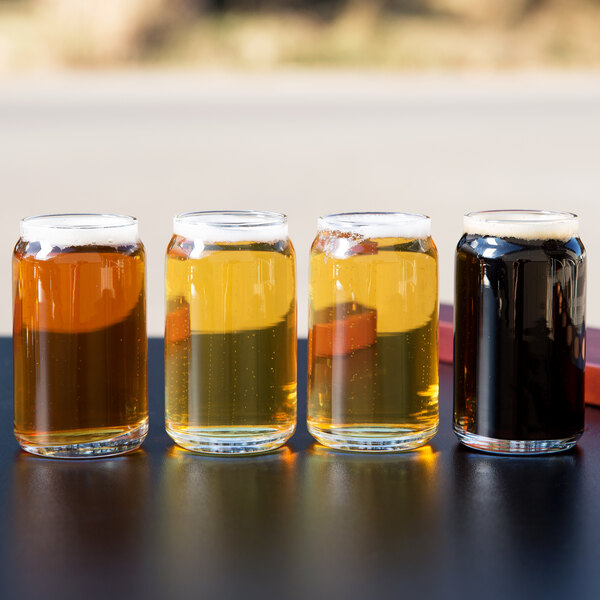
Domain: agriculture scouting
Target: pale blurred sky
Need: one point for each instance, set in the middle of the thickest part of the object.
(153, 145)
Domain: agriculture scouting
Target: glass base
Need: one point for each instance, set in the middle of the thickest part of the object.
(495, 446)
(372, 438)
(230, 440)
(123, 442)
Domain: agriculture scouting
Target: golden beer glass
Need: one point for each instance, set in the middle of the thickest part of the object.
(230, 334)
(79, 336)
(373, 325)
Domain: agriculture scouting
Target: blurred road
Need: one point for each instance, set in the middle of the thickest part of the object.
(154, 145)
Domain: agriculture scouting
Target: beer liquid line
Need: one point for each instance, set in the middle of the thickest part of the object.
(230, 336)
(80, 345)
(79, 336)
(373, 357)
(519, 354)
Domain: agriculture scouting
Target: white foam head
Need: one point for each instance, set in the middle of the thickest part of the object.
(231, 226)
(523, 224)
(378, 224)
(81, 230)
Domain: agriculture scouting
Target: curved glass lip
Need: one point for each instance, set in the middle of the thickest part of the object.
(231, 218)
(378, 224)
(105, 221)
(522, 215)
(80, 229)
(367, 218)
(526, 224)
(231, 226)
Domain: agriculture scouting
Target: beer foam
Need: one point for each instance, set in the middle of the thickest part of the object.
(231, 226)
(80, 230)
(523, 224)
(378, 225)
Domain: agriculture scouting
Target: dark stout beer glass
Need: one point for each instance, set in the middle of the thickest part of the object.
(519, 341)
(79, 336)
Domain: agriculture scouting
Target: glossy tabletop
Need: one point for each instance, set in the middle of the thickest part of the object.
(303, 522)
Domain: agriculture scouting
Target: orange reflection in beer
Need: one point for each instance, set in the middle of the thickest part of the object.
(78, 291)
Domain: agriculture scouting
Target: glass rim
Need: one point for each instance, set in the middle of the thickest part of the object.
(80, 229)
(378, 224)
(233, 219)
(105, 221)
(518, 215)
(231, 226)
(526, 224)
(362, 218)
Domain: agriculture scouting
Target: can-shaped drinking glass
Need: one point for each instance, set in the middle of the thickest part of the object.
(519, 341)
(230, 334)
(79, 336)
(373, 326)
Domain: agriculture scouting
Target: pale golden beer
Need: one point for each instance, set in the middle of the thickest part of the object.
(230, 335)
(373, 326)
(79, 336)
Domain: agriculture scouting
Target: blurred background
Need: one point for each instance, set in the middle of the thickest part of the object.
(155, 107)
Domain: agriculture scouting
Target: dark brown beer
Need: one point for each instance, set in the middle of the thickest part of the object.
(79, 348)
(520, 336)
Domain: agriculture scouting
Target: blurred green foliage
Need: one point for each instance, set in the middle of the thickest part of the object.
(259, 34)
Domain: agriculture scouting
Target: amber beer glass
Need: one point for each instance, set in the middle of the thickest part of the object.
(519, 344)
(79, 336)
(373, 326)
(230, 334)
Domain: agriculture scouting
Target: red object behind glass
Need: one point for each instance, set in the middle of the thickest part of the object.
(592, 369)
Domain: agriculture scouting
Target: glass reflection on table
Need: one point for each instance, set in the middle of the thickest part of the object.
(228, 521)
(502, 533)
(75, 520)
(370, 516)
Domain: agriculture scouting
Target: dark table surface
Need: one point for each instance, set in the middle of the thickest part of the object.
(303, 522)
